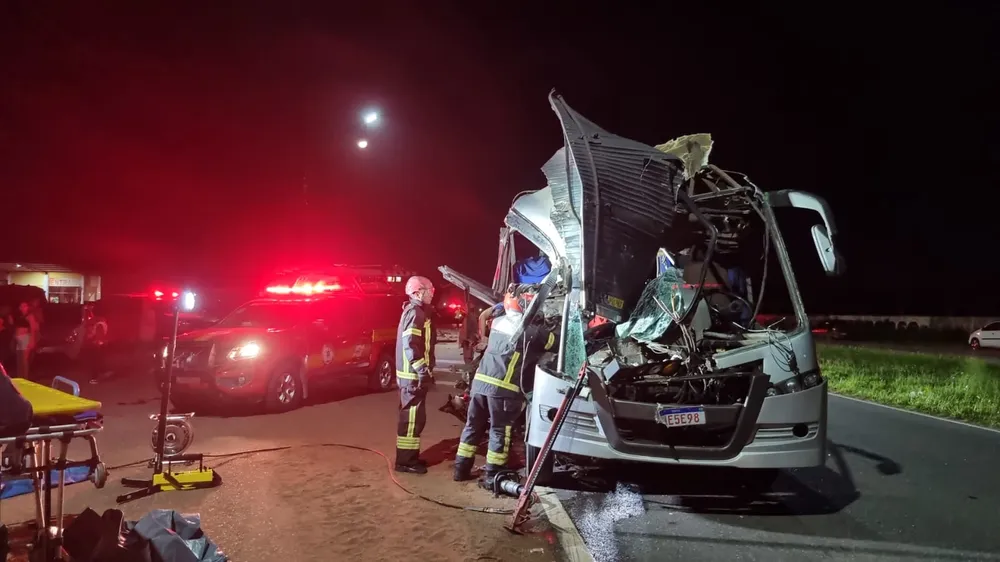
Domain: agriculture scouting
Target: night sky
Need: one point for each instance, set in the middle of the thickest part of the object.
(219, 141)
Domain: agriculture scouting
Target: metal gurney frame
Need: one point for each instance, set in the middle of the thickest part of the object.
(36, 446)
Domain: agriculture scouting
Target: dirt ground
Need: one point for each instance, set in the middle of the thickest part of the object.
(313, 502)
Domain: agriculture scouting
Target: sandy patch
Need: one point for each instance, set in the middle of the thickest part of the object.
(328, 503)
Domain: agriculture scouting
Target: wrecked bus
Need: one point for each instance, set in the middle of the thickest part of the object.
(659, 268)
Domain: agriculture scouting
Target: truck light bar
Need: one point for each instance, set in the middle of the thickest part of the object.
(303, 289)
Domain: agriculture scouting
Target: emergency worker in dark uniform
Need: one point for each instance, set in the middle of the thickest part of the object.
(496, 396)
(415, 341)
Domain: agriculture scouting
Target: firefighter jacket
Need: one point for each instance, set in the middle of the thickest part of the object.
(499, 372)
(415, 341)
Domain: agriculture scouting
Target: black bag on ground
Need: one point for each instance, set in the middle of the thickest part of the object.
(160, 536)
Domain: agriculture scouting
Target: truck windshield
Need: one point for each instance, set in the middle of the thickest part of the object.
(266, 315)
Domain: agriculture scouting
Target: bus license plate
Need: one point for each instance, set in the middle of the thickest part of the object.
(680, 417)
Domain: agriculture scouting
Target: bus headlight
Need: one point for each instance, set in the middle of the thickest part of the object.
(790, 385)
(248, 350)
(812, 379)
(795, 384)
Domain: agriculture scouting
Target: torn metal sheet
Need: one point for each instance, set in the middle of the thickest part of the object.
(619, 196)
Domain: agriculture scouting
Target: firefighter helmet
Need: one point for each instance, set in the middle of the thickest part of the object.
(415, 283)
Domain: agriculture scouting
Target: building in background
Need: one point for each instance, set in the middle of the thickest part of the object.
(61, 284)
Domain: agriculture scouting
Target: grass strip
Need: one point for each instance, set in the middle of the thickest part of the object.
(950, 386)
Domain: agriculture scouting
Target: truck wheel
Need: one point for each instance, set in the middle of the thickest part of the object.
(284, 390)
(383, 377)
(545, 474)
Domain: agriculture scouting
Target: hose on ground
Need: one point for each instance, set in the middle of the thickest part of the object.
(388, 461)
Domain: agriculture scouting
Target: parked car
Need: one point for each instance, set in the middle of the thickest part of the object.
(71, 329)
(987, 336)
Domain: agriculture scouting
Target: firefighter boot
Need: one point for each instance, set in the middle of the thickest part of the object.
(463, 469)
(489, 475)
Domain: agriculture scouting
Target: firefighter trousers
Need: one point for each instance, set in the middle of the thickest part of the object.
(488, 413)
(412, 417)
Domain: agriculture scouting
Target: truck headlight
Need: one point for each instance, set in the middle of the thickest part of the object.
(248, 350)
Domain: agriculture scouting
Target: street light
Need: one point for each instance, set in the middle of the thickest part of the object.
(370, 117)
(362, 144)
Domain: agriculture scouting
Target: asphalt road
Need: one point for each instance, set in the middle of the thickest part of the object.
(896, 486)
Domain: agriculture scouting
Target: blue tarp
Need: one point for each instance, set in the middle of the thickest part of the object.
(23, 486)
(532, 270)
(177, 537)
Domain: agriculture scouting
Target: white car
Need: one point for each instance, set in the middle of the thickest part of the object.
(987, 336)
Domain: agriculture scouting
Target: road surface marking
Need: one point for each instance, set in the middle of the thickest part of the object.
(905, 411)
(569, 537)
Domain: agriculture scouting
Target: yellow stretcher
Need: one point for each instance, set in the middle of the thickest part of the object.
(58, 416)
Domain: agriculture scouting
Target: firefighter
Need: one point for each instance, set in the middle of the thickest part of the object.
(414, 372)
(497, 399)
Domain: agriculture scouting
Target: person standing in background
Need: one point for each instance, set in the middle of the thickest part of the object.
(23, 339)
(8, 359)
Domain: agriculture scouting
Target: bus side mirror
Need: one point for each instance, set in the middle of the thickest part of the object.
(832, 262)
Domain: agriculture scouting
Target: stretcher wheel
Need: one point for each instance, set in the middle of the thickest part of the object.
(177, 438)
(100, 475)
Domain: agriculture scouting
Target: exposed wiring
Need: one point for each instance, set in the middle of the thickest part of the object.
(776, 345)
(389, 465)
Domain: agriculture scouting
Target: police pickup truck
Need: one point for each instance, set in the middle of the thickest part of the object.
(276, 348)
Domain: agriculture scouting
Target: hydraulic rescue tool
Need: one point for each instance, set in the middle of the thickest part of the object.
(526, 491)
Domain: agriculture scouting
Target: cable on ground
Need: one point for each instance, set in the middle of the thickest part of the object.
(389, 466)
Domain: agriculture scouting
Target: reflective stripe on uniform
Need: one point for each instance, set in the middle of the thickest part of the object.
(511, 368)
(405, 375)
(412, 332)
(466, 450)
(500, 459)
(411, 427)
(419, 363)
(551, 341)
(427, 339)
(496, 382)
(408, 443)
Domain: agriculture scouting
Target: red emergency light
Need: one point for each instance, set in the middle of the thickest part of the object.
(303, 289)
(158, 294)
